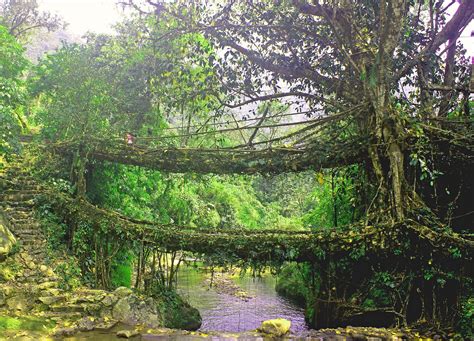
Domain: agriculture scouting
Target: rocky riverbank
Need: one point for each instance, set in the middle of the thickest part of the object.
(222, 283)
(30, 295)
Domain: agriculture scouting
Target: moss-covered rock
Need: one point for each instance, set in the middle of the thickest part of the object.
(132, 310)
(276, 327)
(7, 239)
(177, 313)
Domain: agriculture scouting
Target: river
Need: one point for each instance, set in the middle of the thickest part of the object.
(226, 317)
(228, 313)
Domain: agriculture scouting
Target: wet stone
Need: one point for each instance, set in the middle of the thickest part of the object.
(127, 333)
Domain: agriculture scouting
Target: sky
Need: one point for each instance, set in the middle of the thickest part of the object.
(85, 15)
(99, 15)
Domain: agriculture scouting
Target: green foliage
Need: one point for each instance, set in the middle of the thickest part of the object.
(122, 272)
(69, 274)
(12, 91)
(294, 282)
(381, 285)
(53, 227)
(466, 322)
(334, 199)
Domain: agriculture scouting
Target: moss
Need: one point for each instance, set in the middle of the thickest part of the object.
(8, 271)
(25, 323)
(177, 313)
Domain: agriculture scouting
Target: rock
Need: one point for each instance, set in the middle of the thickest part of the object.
(132, 311)
(123, 291)
(53, 292)
(105, 324)
(68, 331)
(43, 268)
(276, 327)
(6, 273)
(18, 303)
(6, 290)
(47, 285)
(86, 324)
(127, 333)
(122, 311)
(7, 239)
(48, 300)
(109, 300)
(179, 314)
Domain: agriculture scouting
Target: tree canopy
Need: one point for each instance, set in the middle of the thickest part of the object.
(340, 130)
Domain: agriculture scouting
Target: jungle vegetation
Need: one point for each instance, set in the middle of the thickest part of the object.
(374, 94)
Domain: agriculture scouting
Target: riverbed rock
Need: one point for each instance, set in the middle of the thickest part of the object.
(127, 333)
(87, 323)
(276, 327)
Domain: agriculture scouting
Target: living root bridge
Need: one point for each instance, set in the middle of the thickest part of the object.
(221, 161)
(262, 246)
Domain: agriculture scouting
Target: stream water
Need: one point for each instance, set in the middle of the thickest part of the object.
(222, 312)
(228, 313)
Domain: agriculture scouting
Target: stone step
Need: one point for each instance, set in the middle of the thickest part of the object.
(20, 214)
(24, 188)
(21, 204)
(17, 197)
(20, 184)
(52, 299)
(29, 238)
(8, 209)
(62, 315)
(32, 242)
(26, 225)
(24, 221)
(19, 175)
(40, 256)
(25, 232)
(18, 191)
(69, 308)
(34, 251)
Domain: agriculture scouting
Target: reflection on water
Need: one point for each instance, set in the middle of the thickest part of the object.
(226, 313)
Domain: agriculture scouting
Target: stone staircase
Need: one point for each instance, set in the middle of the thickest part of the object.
(30, 287)
(18, 191)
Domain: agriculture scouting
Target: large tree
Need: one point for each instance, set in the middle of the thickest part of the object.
(392, 72)
(339, 55)
(23, 17)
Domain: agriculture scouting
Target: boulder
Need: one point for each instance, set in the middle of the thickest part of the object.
(109, 300)
(18, 303)
(132, 311)
(7, 239)
(127, 333)
(123, 291)
(277, 327)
